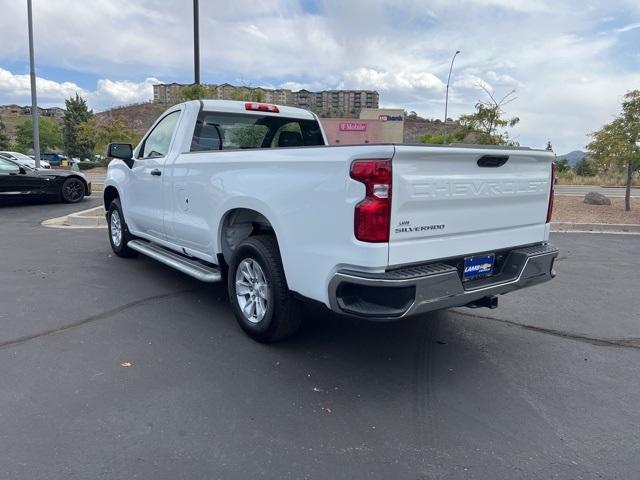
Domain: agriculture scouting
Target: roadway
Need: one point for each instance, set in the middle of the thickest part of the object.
(582, 190)
(123, 368)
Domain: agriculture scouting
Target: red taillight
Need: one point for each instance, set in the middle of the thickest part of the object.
(551, 192)
(373, 214)
(261, 107)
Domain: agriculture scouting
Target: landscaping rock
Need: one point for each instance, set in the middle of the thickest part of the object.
(595, 198)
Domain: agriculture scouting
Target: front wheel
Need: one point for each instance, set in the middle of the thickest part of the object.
(118, 231)
(72, 190)
(262, 303)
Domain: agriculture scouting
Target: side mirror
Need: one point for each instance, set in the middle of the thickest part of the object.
(123, 151)
(23, 170)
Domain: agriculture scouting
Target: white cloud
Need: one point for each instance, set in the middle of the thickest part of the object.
(17, 89)
(19, 86)
(255, 31)
(568, 77)
(369, 78)
(470, 81)
(109, 92)
(627, 28)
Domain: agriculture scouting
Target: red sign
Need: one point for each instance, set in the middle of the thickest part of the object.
(353, 126)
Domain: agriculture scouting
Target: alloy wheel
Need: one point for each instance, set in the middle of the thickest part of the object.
(252, 290)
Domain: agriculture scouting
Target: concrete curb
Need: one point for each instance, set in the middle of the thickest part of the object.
(83, 219)
(632, 229)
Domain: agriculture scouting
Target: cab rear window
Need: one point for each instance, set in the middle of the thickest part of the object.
(233, 131)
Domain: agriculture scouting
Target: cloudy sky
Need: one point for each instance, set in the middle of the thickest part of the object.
(569, 61)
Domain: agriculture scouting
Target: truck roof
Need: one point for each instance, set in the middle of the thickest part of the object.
(232, 106)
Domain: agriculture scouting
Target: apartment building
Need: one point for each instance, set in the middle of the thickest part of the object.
(330, 103)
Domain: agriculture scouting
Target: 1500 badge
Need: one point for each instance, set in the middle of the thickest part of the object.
(405, 227)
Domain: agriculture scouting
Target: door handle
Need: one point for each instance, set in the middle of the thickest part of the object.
(155, 172)
(493, 161)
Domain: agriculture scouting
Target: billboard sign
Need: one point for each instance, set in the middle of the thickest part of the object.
(390, 118)
(353, 126)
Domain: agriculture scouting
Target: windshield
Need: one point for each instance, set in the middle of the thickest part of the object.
(22, 156)
(8, 165)
(17, 156)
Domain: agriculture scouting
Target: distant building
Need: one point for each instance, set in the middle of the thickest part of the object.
(352, 131)
(166, 92)
(54, 112)
(329, 103)
(12, 109)
(392, 122)
(375, 125)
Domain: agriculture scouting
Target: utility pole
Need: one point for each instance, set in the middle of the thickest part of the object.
(34, 98)
(196, 43)
(446, 101)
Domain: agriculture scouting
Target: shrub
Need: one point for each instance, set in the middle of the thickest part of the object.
(87, 165)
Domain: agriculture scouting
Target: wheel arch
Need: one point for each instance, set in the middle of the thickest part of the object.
(109, 195)
(236, 225)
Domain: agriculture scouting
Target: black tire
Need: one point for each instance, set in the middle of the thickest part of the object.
(119, 248)
(283, 312)
(72, 190)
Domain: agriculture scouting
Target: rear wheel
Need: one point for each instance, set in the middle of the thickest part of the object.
(119, 234)
(72, 190)
(262, 303)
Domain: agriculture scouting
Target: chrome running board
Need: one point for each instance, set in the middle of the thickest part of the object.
(181, 263)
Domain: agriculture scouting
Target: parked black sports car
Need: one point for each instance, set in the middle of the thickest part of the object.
(20, 181)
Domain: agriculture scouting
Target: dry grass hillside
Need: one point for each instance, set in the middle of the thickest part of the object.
(11, 121)
(138, 117)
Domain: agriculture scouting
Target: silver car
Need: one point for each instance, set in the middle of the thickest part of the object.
(22, 159)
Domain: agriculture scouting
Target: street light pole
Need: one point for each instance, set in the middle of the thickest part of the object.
(196, 43)
(446, 101)
(34, 98)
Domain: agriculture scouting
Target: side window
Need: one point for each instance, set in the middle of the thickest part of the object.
(8, 166)
(157, 142)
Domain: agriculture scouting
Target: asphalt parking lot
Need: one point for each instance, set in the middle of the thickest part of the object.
(546, 386)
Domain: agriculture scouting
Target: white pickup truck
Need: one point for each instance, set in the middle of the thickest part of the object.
(252, 193)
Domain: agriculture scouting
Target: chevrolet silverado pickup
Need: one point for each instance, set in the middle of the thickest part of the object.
(251, 194)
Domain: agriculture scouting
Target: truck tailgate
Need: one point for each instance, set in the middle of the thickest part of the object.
(449, 202)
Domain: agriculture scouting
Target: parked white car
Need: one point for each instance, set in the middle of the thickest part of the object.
(22, 159)
(250, 192)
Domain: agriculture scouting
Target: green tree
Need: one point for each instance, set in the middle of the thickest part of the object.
(101, 134)
(457, 135)
(195, 92)
(4, 138)
(433, 138)
(562, 165)
(586, 167)
(247, 94)
(247, 136)
(487, 124)
(617, 144)
(77, 112)
(50, 135)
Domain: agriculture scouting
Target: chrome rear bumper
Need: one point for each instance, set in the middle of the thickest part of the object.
(423, 288)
